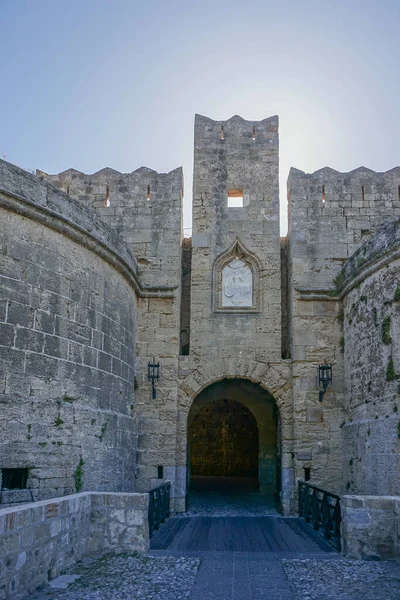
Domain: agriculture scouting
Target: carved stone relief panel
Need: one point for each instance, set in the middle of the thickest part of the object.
(236, 281)
(237, 284)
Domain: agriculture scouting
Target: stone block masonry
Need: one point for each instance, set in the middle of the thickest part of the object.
(331, 214)
(371, 327)
(144, 208)
(371, 527)
(38, 541)
(95, 280)
(67, 343)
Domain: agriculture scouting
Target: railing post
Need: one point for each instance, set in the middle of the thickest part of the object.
(322, 509)
(158, 506)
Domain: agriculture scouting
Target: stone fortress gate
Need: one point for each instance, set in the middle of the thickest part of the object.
(96, 279)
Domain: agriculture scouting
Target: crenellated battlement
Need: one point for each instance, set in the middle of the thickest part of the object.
(331, 214)
(144, 207)
(237, 129)
(328, 186)
(126, 189)
(235, 175)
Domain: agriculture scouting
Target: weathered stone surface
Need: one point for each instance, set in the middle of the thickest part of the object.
(87, 300)
(370, 526)
(372, 355)
(38, 541)
(67, 341)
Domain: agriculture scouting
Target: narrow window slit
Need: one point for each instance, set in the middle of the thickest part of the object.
(254, 133)
(323, 194)
(222, 133)
(148, 192)
(68, 190)
(307, 474)
(107, 200)
(398, 191)
(363, 193)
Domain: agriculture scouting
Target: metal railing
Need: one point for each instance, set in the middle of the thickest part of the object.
(322, 510)
(159, 498)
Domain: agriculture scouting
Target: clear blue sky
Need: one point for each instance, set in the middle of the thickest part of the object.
(95, 83)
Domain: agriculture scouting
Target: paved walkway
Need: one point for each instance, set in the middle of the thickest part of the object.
(241, 557)
(234, 497)
(237, 576)
(278, 535)
(236, 554)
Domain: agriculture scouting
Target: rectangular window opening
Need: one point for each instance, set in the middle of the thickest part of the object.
(307, 474)
(363, 193)
(235, 198)
(107, 200)
(14, 479)
(148, 192)
(323, 194)
(254, 133)
(222, 133)
(160, 472)
(398, 191)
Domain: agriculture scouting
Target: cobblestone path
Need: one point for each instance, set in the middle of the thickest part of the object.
(128, 577)
(229, 576)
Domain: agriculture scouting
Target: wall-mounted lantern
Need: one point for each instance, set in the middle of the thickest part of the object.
(153, 375)
(325, 379)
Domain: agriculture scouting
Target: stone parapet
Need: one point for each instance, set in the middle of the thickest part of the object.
(371, 527)
(380, 250)
(40, 540)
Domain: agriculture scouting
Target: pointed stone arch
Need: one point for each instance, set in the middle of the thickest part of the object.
(228, 295)
(274, 377)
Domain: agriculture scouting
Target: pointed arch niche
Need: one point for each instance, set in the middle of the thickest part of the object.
(236, 281)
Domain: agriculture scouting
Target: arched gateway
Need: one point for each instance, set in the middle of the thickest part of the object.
(262, 395)
(234, 434)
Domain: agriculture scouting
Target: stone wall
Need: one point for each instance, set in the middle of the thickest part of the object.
(371, 320)
(234, 303)
(143, 207)
(330, 215)
(38, 541)
(236, 162)
(67, 343)
(145, 210)
(371, 527)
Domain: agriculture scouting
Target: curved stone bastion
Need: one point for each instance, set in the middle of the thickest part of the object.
(370, 284)
(68, 291)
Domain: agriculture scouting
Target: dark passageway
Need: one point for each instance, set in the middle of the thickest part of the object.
(233, 452)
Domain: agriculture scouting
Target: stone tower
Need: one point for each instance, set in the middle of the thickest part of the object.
(236, 228)
(234, 336)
